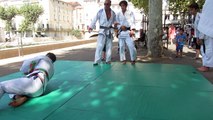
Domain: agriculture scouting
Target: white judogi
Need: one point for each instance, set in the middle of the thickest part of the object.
(205, 26)
(31, 85)
(105, 34)
(128, 20)
(195, 25)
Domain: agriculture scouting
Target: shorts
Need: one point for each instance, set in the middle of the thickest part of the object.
(179, 48)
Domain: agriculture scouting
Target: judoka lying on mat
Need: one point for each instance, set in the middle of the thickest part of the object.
(38, 71)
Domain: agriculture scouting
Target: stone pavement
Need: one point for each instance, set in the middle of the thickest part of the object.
(85, 52)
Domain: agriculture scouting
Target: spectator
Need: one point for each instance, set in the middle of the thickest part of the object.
(180, 40)
(172, 31)
(7, 37)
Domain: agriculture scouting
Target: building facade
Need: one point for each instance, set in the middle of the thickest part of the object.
(61, 16)
(56, 21)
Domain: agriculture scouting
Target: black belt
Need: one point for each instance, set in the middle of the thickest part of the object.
(204, 46)
(35, 76)
(104, 27)
(128, 28)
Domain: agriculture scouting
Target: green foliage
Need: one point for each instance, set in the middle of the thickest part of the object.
(76, 33)
(181, 6)
(175, 6)
(7, 14)
(141, 4)
(31, 13)
(25, 26)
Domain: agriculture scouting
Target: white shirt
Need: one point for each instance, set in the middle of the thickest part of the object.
(206, 19)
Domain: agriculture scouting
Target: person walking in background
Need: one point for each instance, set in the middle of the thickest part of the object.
(7, 37)
(172, 31)
(180, 41)
(205, 26)
(126, 26)
(194, 10)
(106, 18)
(142, 37)
(38, 71)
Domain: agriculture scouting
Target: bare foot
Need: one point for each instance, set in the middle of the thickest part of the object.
(18, 100)
(203, 69)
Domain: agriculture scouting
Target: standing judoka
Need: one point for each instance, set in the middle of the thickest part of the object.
(106, 18)
(38, 71)
(205, 26)
(126, 26)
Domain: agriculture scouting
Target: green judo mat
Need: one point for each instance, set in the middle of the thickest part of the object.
(145, 91)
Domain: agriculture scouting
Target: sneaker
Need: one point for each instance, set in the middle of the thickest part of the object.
(108, 62)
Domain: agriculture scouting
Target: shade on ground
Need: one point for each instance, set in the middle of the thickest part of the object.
(79, 91)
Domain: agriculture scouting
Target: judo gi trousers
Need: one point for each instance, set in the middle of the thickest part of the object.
(31, 87)
(207, 57)
(101, 41)
(130, 43)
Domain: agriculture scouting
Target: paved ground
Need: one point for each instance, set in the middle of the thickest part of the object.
(86, 53)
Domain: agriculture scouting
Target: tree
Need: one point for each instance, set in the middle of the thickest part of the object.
(141, 4)
(31, 13)
(180, 7)
(155, 28)
(153, 8)
(175, 6)
(155, 19)
(7, 14)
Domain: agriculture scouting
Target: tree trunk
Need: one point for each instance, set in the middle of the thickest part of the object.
(155, 46)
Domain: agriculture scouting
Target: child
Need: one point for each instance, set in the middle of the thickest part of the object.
(180, 40)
